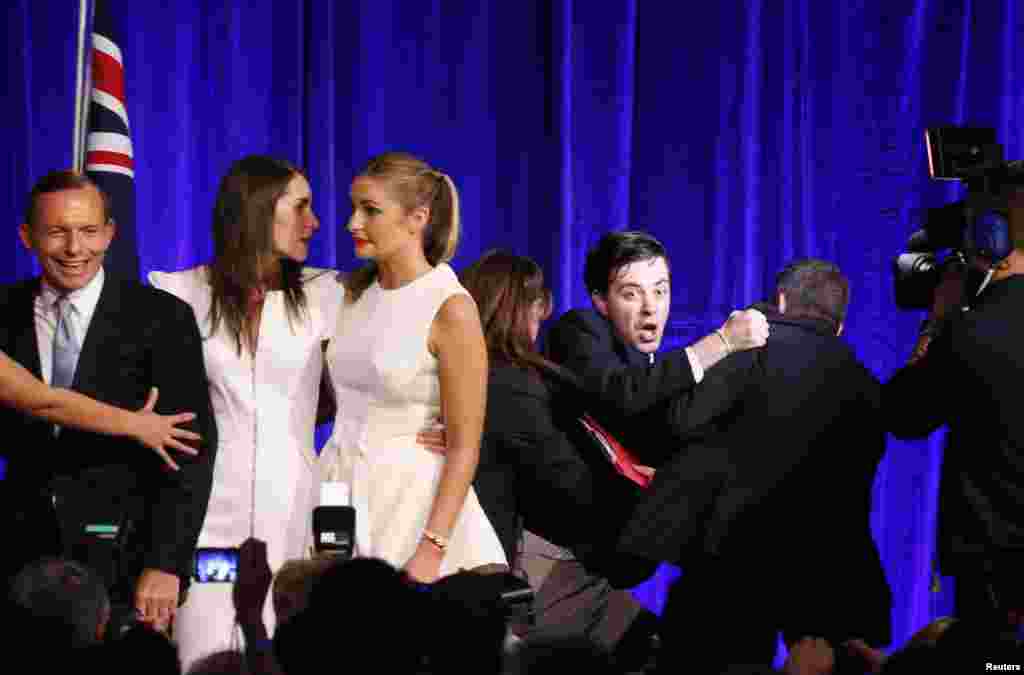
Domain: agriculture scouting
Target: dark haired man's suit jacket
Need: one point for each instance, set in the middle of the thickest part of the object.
(629, 393)
(621, 380)
(139, 337)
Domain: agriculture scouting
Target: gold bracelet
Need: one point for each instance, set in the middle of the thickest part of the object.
(725, 341)
(437, 540)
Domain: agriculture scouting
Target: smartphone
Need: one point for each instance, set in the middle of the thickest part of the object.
(215, 565)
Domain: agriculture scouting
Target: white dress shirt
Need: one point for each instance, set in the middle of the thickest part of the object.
(695, 365)
(84, 301)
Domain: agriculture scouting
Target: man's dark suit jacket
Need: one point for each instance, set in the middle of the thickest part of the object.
(621, 380)
(783, 477)
(537, 470)
(971, 379)
(139, 337)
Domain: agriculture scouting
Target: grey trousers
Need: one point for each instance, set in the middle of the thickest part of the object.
(569, 601)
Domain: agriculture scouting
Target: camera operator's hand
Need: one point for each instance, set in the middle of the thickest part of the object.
(948, 298)
(949, 294)
(249, 593)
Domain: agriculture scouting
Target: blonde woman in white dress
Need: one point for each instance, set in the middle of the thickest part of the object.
(264, 319)
(408, 349)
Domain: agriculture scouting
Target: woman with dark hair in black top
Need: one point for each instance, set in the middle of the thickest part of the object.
(551, 498)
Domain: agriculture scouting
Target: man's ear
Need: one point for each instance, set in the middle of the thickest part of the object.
(781, 301)
(600, 303)
(25, 234)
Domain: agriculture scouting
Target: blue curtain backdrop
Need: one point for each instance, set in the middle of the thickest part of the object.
(742, 133)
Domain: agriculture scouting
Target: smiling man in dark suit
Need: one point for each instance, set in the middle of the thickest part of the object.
(76, 327)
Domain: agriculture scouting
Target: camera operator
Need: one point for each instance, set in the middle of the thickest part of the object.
(967, 372)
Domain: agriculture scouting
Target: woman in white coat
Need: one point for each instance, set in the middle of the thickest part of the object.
(264, 318)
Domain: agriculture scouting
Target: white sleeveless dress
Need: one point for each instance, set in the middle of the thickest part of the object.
(387, 388)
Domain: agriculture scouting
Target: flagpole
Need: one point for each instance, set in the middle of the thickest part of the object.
(80, 107)
(87, 54)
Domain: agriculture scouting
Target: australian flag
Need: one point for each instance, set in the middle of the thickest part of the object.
(108, 145)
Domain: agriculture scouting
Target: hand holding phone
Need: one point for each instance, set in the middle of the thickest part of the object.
(249, 594)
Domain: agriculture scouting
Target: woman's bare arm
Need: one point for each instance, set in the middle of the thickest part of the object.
(19, 389)
(457, 340)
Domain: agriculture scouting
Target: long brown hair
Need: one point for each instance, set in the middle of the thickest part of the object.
(507, 288)
(243, 222)
(415, 184)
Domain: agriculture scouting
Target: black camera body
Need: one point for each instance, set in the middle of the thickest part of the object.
(973, 229)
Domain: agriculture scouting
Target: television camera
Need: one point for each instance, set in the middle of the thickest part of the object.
(971, 232)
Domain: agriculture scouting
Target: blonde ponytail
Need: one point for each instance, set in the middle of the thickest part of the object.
(454, 220)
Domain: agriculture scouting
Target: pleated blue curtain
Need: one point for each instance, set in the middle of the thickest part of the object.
(743, 133)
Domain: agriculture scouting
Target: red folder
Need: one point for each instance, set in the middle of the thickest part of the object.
(622, 459)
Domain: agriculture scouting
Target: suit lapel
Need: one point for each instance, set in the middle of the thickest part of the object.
(633, 356)
(102, 327)
(25, 341)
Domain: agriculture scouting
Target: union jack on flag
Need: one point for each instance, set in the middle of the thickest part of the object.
(109, 160)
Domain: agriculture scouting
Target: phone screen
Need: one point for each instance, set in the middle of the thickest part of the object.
(216, 565)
